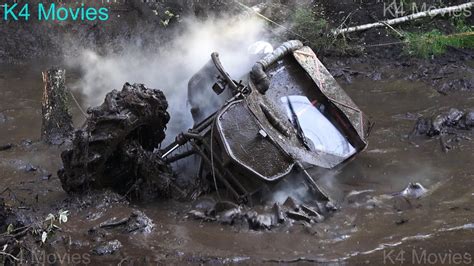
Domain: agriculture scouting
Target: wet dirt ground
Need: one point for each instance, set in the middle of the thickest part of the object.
(371, 226)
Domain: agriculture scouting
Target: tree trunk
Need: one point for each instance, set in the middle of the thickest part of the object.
(57, 120)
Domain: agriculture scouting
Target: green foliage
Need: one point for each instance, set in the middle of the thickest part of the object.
(461, 26)
(435, 42)
(308, 25)
(169, 16)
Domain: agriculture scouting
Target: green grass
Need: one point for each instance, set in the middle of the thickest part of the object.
(435, 42)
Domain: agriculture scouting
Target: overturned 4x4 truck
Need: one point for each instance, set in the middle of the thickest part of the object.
(287, 119)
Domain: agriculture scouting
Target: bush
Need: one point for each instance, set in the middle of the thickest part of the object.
(313, 29)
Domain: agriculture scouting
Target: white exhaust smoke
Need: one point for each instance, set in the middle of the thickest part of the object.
(172, 66)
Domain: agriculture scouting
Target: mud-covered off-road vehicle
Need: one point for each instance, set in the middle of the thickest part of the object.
(287, 117)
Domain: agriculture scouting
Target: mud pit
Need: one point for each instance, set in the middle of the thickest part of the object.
(372, 221)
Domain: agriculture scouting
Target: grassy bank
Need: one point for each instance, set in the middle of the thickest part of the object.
(435, 42)
(422, 38)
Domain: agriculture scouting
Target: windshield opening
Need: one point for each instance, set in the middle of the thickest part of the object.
(318, 131)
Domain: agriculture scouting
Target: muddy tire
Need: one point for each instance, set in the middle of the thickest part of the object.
(117, 139)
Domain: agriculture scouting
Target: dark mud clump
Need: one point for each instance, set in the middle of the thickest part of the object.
(449, 127)
(447, 74)
(263, 218)
(444, 123)
(114, 149)
(107, 248)
(3, 215)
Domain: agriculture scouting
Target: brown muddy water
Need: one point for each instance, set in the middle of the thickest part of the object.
(371, 226)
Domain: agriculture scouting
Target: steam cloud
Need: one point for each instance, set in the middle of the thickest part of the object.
(170, 70)
(172, 66)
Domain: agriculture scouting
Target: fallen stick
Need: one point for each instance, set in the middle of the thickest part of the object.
(5, 147)
(114, 223)
(429, 13)
(9, 255)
